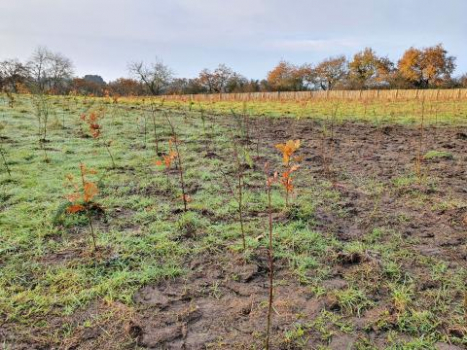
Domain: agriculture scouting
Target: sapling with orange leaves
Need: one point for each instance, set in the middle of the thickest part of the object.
(95, 129)
(290, 163)
(167, 160)
(81, 199)
(174, 155)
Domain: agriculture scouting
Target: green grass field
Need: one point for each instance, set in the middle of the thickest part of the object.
(372, 111)
(342, 243)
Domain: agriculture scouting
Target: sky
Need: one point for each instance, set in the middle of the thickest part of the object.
(250, 36)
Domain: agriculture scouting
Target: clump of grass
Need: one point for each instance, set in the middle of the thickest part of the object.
(402, 296)
(435, 155)
(189, 223)
(352, 300)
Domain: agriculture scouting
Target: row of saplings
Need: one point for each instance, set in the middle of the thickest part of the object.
(83, 190)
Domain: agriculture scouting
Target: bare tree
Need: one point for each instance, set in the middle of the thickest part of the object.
(206, 78)
(37, 67)
(181, 86)
(463, 80)
(126, 87)
(155, 76)
(216, 81)
(47, 70)
(12, 72)
(178, 86)
(236, 83)
(60, 71)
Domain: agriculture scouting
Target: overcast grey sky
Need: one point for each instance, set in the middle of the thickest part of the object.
(250, 36)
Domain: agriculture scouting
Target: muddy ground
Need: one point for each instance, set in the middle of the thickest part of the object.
(221, 302)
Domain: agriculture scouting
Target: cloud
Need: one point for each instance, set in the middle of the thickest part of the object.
(312, 45)
(102, 36)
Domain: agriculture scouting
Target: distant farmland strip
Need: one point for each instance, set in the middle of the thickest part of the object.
(390, 95)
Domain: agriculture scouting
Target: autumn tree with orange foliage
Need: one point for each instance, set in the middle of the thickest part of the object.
(329, 72)
(367, 69)
(427, 67)
(288, 77)
(87, 87)
(155, 76)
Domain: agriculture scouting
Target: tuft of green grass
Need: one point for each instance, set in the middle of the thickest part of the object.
(436, 155)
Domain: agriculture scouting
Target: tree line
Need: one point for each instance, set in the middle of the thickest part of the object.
(53, 73)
